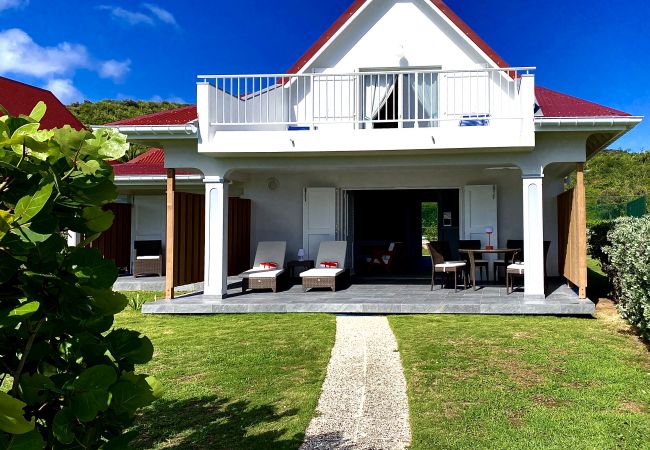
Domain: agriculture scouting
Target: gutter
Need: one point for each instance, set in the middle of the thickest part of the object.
(588, 122)
(154, 179)
(180, 131)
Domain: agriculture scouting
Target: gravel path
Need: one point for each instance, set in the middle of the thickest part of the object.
(363, 403)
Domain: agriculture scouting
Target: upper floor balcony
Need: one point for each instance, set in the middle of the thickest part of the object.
(367, 110)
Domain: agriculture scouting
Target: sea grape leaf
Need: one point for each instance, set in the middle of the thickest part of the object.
(12, 416)
(97, 219)
(30, 205)
(91, 393)
(38, 111)
(129, 345)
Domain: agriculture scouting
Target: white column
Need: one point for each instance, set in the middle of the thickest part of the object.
(74, 238)
(216, 236)
(533, 236)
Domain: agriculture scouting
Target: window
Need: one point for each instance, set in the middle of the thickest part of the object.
(429, 215)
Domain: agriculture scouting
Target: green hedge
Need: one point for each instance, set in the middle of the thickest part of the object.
(628, 266)
(597, 240)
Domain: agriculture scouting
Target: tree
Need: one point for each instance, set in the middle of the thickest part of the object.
(68, 380)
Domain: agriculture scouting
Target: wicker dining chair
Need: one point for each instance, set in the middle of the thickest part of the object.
(498, 263)
(517, 269)
(437, 250)
(479, 262)
(148, 258)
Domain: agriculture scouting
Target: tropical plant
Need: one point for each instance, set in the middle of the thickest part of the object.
(67, 379)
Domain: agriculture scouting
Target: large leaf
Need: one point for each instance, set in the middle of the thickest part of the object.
(120, 442)
(30, 205)
(34, 388)
(98, 220)
(63, 426)
(5, 222)
(89, 167)
(9, 318)
(91, 393)
(129, 345)
(91, 269)
(29, 441)
(12, 418)
(38, 112)
(107, 301)
(8, 266)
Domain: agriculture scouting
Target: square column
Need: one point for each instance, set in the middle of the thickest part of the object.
(533, 236)
(216, 236)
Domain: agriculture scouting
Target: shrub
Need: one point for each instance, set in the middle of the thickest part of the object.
(597, 240)
(71, 379)
(629, 260)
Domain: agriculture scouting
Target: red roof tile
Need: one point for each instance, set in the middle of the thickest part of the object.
(343, 19)
(151, 162)
(20, 98)
(556, 104)
(177, 116)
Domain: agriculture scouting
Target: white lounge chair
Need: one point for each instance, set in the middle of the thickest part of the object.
(267, 267)
(329, 270)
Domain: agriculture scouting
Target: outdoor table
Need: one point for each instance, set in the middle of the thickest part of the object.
(471, 252)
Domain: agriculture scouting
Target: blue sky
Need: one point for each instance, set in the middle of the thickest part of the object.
(81, 49)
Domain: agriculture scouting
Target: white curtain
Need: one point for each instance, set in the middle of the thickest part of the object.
(421, 102)
(377, 89)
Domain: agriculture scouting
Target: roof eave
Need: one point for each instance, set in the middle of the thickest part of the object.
(586, 123)
(148, 132)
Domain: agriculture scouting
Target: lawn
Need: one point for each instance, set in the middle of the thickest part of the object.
(524, 382)
(232, 381)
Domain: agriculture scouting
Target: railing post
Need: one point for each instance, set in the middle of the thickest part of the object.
(204, 101)
(527, 107)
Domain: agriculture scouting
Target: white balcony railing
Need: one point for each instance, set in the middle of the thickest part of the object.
(365, 99)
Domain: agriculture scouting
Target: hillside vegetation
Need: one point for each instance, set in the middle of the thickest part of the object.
(107, 111)
(615, 176)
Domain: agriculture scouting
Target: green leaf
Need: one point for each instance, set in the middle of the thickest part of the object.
(30, 205)
(34, 387)
(63, 426)
(107, 301)
(8, 266)
(128, 397)
(28, 441)
(89, 167)
(97, 219)
(12, 418)
(38, 112)
(12, 317)
(129, 345)
(91, 269)
(120, 442)
(5, 222)
(91, 393)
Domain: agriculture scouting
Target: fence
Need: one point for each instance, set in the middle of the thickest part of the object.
(608, 211)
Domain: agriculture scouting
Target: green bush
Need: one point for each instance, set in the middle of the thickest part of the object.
(67, 379)
(597, 240)
(629, 261)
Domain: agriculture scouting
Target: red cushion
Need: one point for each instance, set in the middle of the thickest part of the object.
(329, 264)
(268, 265)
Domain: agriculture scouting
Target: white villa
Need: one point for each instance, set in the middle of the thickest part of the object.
(397, 105)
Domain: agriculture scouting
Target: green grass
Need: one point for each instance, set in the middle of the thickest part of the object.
(232, 381)
(502, 382)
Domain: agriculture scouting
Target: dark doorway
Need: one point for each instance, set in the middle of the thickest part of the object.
(391, 226)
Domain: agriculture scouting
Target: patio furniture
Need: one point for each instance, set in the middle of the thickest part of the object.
(330, 271)
(472, 252)
(479, 262)
(498, 263)
(268, 267)
(148, 258)
(305, 264)
(516, 269)
(385, 260)
(439, 265)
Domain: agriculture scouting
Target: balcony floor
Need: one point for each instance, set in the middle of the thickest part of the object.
(381, 297)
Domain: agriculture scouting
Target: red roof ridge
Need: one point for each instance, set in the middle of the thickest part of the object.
(157, 115)
(354, 7)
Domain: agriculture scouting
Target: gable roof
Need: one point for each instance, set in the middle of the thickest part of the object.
(347, 15)
(20, 98)
(556, 104)
(176, 116)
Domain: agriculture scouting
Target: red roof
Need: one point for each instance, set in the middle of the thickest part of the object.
(151, 162)
(343, 19)
(556, 104)
(177, 116)
(20, 98)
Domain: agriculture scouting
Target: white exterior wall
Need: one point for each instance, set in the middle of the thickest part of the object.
(148, 221)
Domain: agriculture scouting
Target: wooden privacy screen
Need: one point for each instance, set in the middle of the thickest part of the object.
(239, 235)
(189, 238)
(572, 237)
(115, 243)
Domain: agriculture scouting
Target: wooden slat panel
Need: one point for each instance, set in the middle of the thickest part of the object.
(115, 243)
(189, 239)
(572, 235)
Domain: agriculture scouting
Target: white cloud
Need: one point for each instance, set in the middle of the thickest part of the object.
(131, 17)
(115, 70)
(153, 15)
(171, 98)
(9, 4)
(64, 90)
(162, 14)
(20, 55)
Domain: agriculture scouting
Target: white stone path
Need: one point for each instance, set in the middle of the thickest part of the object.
(363, 404)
